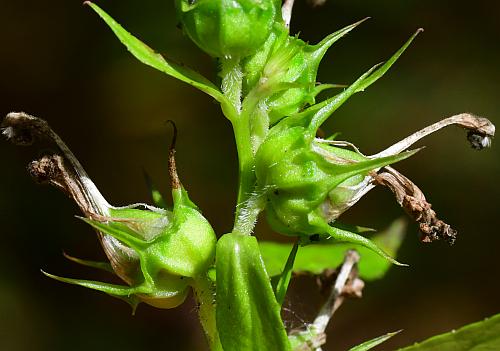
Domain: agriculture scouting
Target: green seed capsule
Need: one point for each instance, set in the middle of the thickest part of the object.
(306, 181)
(227, 28)
(173, 248)
(309, 182)
(159, 253)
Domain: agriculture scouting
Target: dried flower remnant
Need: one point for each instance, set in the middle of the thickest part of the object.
(480, 131)
(66, 173)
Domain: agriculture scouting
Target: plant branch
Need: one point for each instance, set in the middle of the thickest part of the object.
(204, 291)
(248, 211)
(336, 296)
(340, 283)
(248, 205)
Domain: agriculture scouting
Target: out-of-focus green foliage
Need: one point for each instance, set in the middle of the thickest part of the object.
(315, 259)
(479, 336)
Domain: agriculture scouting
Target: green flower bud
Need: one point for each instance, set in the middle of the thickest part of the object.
(283, 73)
(227, 28)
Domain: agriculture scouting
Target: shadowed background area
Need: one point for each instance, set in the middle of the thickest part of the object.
(60, 62)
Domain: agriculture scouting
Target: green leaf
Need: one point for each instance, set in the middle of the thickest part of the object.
(124, 293)
(316, 258)
(149, 57)
(322, 87)
(286, 275)
(248, 315)
(370, 344)
(479, 336)
(316, 52)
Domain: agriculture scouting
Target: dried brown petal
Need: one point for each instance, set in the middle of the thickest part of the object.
(66, 173)
(412, 199)
(480, 133)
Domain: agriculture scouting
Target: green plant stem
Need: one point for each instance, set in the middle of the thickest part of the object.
(232, 79)
(204, 290)
(247, 213)
(246, 163)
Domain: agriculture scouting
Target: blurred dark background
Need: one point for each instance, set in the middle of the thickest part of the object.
(60, 62)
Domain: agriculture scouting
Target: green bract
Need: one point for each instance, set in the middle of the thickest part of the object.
(227, 28)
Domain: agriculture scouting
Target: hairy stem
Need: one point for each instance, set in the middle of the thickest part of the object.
(247, 213)
(247, 208)
(204, 290)
(246, 203)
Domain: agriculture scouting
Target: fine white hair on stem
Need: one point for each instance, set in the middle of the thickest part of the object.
(249, 211)
(286, 11)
